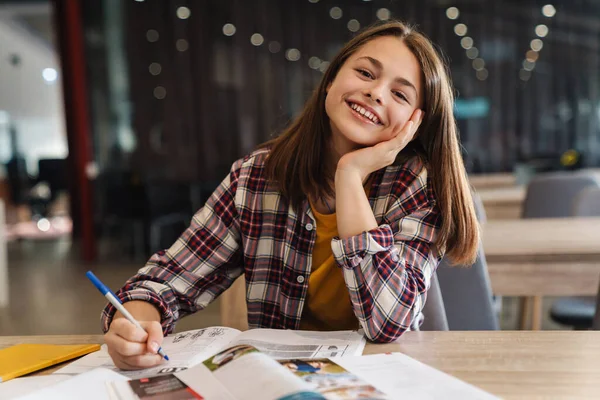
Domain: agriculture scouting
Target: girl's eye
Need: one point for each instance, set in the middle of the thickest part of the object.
(365, 73)
(400, 95)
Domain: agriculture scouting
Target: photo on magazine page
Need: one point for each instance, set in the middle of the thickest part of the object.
(165, 387)
(232, 353)
(332, 381)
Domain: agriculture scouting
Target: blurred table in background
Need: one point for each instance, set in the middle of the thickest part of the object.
(3, 258)
(492, 181)
(543, 257)
(503, 203)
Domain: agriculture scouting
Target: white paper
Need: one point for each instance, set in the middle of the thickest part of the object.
(284, 344)
(89, 386)
(184, 349)
(21, 386)
(402, 377)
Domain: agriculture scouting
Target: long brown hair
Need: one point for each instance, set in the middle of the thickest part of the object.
(299, 157)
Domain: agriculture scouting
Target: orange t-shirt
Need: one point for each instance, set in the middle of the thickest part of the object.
(328, 304)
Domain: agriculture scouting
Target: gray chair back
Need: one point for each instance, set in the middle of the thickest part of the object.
(467, 291)
(587, 203)
(596, 322)
(433, 310)
(552, 195)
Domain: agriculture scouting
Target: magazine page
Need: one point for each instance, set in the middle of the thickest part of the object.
(156, 387)
(246, 374)
(184, 349)
(284, 344)
(403, 377)
(333, 381)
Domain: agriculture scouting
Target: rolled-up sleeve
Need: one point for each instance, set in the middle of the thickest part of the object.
(200, 265)
(388, 269)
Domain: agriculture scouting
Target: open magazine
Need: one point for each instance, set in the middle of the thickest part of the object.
(242, 372)
(190, 348)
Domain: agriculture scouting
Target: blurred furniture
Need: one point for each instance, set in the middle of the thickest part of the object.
(596, 322)
(467, 292)
(552, 195)
(578, 312)
(543, 257)
(122, 209)
(168, 212)
(502, 202)
(468, 296)
(495, 180)
(4, 287)
(433, 310)
(234, 312)
(557, 364)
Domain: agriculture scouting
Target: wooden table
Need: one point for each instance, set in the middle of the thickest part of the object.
(495, 180)
(509, 364)
(543, 257)
(501, 203)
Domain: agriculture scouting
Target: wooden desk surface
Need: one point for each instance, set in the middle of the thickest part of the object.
(531, 238)
(509, 364)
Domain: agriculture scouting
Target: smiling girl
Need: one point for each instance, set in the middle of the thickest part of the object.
(338, 223)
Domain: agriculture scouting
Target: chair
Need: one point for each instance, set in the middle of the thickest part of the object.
(578, 312)
(552, 195)
(433, 310)
(234, 312)
(596, 323)
(467, 292)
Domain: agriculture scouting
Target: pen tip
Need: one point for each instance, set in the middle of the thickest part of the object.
(166, 357)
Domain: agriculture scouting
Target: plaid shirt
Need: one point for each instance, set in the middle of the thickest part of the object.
(248, 227)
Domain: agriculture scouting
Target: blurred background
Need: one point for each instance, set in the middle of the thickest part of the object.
(119, 117)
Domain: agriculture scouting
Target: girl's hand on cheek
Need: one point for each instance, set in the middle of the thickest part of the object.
(369, 159)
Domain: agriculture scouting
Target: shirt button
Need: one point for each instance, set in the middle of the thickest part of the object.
(300, 279)
(395, 257)
(309, 227)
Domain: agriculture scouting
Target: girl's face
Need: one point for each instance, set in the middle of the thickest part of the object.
(377, 89)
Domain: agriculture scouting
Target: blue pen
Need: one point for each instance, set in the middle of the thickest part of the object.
(114, 300)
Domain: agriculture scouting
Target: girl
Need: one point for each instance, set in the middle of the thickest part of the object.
(339, 222)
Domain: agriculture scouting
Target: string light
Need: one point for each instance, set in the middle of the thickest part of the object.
(466, 42)
(257, 39)
(335, 13)
(292, 54)
(229, 29)
(274, 47)
(482, 74)
(383, 14)
(524, 75)
(152, 35)
(452, 13)
(460, 29)
(155, 68)
(478, 64)
(541, 30)
(182, 45)
(549, 10)
(160, 92)
(353, 25)
(314, 62)
(536, 44)
(472, 53)
(183, 13)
